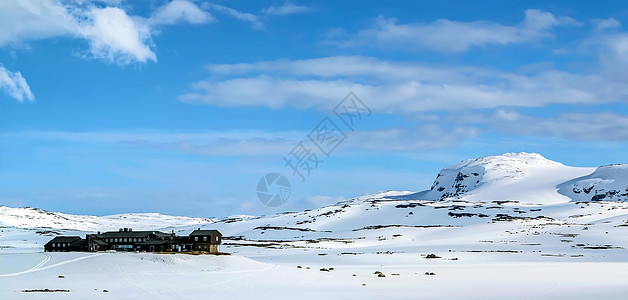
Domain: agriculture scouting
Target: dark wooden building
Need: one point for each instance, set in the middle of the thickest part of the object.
(126, 239)
(66, 244)
(206, 240)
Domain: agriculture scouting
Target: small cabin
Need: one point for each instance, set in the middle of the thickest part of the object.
(206, 240)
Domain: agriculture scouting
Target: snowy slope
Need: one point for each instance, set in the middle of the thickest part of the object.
(27, 217)
(528, 248)
(523, 177)
(606, 183)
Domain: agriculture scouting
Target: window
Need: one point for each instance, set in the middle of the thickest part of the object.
(216, 238)
(204, 239)
(54, 244)
(196, 238)
(126, 240)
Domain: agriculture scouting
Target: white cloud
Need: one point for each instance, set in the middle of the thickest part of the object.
(113, 34)
(286, 9)
(455, 36)
(178, 11)
(592, 126)
(246, 17)
(396, 87)
(115, 37)
(22, 20)
(261, 143)
(14, 84)
(606, 24)
(606, 126)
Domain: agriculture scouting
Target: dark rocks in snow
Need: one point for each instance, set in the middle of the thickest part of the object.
(458, 215)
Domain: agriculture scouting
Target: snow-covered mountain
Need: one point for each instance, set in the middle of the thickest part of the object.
(523, 177)
(608, 183)
(27, 217)
(526, 178)
(423, 242)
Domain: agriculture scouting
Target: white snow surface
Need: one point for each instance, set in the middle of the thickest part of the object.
(485, 248)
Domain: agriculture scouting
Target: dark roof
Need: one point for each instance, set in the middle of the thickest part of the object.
(65, 239)
(126, 234)
(163, 234)
(205, 232)
(99, 242)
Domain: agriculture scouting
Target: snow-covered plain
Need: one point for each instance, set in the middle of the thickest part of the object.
(510, 232)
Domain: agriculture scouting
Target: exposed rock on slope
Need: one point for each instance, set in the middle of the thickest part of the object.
(524, 177)
(608, 183)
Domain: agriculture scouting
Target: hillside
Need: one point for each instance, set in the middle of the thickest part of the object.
(423, 243)
(608, 183)
(524, 177)
(28, 217)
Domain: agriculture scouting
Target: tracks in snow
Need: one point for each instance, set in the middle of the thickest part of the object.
(40, 265)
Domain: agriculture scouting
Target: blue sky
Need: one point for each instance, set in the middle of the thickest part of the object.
(180, 107)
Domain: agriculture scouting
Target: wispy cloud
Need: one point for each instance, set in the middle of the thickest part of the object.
(14, 85)
(594, 126)
(254, 20)
(180, 11)
(285, 9)
(397, 87)
(259, 143)
(454, 36)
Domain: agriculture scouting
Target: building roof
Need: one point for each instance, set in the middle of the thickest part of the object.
(65, 239)
(126, 234)
(205, 232)
(99, 242)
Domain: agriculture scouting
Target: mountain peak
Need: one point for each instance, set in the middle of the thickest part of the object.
(512, 158)
(490, 172)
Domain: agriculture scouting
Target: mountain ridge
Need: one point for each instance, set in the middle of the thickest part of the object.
(527, 178)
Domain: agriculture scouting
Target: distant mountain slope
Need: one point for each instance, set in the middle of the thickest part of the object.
(608, 183)
(524, 177)
(27, 217)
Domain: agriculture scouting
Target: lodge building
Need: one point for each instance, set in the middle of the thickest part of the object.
(126, 239)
